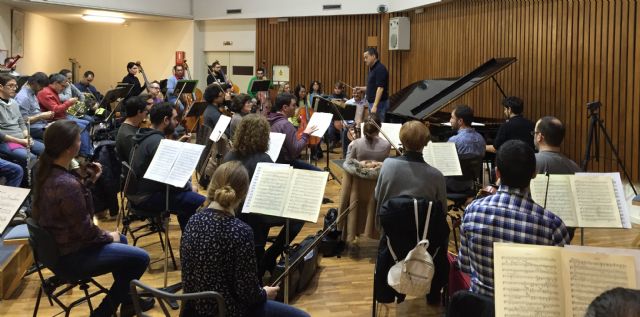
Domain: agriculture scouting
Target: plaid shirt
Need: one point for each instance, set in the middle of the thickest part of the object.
(508, 216)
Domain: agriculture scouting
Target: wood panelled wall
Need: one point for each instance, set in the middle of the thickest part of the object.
(569, 53)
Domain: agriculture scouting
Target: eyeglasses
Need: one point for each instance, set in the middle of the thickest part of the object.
(11, 86)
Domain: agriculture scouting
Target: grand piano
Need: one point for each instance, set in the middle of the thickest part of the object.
(424, 100)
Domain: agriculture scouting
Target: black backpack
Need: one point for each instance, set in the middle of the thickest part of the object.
(331, 244)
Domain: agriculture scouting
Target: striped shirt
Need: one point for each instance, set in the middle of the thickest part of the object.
(508, 216)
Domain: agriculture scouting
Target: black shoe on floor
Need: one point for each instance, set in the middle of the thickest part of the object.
(127, 310)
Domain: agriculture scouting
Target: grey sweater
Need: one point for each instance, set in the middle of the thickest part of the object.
(11, 121)
(409, 175)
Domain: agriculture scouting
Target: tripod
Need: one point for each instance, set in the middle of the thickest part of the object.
(596, 126)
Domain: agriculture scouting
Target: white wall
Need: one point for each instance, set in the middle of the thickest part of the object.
(170, 8)
(45, 49)
(106, 49)
(5, 28)
(242, 34)
(208, 9)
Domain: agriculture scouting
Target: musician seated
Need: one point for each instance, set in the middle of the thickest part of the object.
(85, 86)
(11, 174)
(130, 78)
(216, 75)
(250, 143)
(548, 135)
(29, 106)
(49, 100)
(335, 129)
(284, 108)
(137, 109)
(241, 106)
(71, 91)
(616, 302)
(510, 215)
(259, 76)
(362, 166)
(286, 87)
(63, 206)
(150, 195)
(470, 145)
(228, 265)
(172, 81)
(517, 126)
(362, 112)
(215, 98)
(155, 92)
(15, 143)
(410, 175)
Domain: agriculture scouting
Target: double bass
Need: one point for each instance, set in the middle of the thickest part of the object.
(188, 99)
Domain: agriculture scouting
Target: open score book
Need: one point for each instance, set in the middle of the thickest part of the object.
(532, 280)
(593, 200)
(282, 191)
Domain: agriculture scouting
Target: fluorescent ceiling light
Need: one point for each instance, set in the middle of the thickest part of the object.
(101, 18)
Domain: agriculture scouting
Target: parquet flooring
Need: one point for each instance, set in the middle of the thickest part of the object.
(341, 287)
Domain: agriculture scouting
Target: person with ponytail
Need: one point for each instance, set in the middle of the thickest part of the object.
(217, 253)
(63, 207)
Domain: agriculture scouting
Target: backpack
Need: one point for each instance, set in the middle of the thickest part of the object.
(331, 244)
(413, 274)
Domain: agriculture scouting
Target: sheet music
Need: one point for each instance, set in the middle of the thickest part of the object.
(527, 280)
(275, 144)
(221, 126)
(254, 182)
(392, 130)
(560, 198)
(268, 191)
(635, 253)
(185, 164)
(163, 160)
(444, 157)
(623, 205)
(587, 275)
(322, 120)
(596, 202)
(11, 198)
(174, 162)
(305, 198)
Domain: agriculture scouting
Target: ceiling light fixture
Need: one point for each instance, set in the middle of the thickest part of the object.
(101, 18)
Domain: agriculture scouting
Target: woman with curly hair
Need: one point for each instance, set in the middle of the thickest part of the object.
(241, 106)
(250, 144)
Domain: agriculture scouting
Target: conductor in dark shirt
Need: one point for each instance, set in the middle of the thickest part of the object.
(133, 69)
(517, 127)
(377, 89)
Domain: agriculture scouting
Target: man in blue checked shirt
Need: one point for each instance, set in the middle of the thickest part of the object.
(508, 216)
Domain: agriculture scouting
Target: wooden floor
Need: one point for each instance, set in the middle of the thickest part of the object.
(342, 286)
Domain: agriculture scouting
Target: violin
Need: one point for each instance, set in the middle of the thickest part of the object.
(486, 191)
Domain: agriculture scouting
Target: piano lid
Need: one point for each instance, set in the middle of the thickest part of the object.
(426, 97)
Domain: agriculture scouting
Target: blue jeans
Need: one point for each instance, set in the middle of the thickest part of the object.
(20, 155)
(86, 147)
(37, 131)
(183, 204)
(123, 261)
(11, 172)
(277, 309)
(383, 106)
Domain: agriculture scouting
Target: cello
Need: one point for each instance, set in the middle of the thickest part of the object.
(190, 123)
(304, 115)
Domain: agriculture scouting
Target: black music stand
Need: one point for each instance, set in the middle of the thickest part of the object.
(342, 112)
(260, 85)
(185, 86)
(196, 110)
(120, 92)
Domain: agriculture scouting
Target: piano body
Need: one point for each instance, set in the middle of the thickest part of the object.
(424, 100)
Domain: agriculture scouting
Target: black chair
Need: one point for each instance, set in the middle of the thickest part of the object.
(154, 221)
(467, 303)
(164, 297)
(45, 254)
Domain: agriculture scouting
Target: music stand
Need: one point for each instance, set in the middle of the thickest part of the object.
(346, 112)
(120, 92)
(260, 85)
(196, 110)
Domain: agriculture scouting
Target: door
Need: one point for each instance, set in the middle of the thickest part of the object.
(238, 66)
